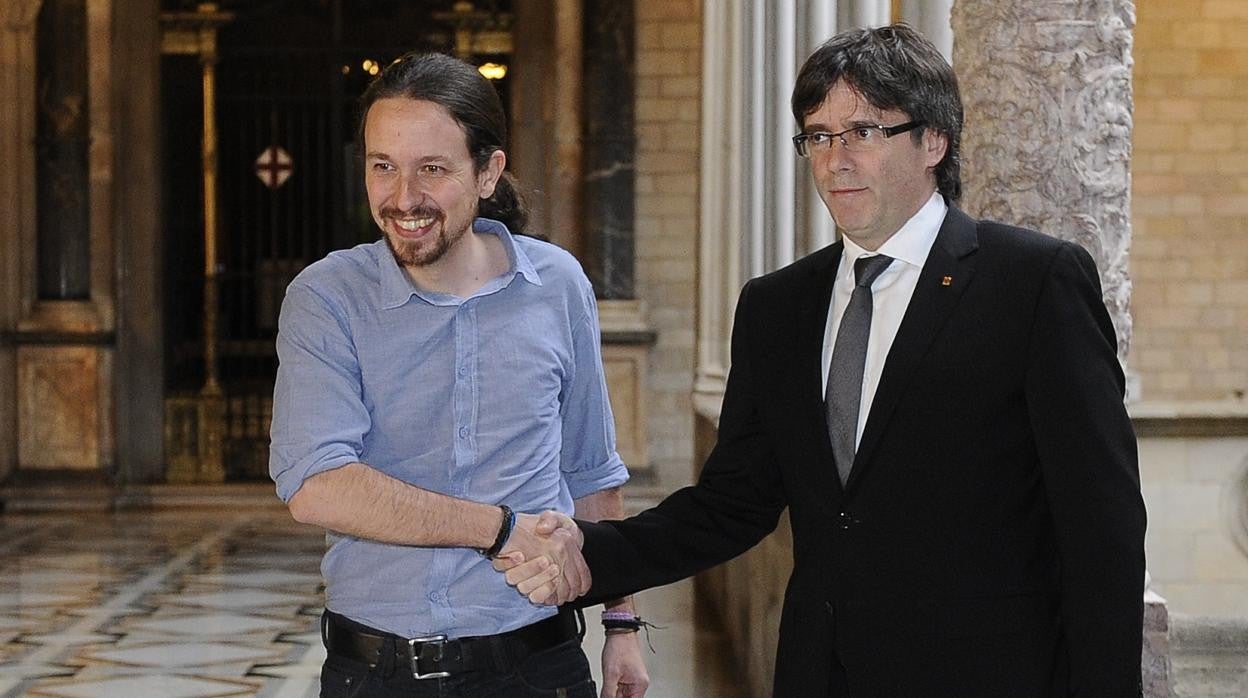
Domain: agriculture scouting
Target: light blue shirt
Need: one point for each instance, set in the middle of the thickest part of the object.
(499, 397)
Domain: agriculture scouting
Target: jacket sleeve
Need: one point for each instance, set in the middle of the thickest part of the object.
(1087, 450)
(736, 501)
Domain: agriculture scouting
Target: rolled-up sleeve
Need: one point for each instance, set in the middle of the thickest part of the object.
(588, 457)
(319, 417)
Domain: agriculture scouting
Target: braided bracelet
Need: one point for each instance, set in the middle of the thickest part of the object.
(621, 622)
(504, 532)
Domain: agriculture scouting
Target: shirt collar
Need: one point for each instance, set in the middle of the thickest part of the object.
(397, 287)
(519, 260)
(913, 240)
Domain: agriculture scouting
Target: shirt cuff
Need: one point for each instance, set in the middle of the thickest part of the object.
(611, 473)
(290, 478)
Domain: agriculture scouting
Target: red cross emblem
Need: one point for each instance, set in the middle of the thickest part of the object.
(274, 166)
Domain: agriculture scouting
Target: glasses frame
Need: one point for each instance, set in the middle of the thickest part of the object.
(799, 141)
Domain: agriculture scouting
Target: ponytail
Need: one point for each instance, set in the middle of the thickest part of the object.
(507, 205)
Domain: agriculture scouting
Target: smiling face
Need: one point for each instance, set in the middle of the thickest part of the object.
(423, 188)
(871, 194)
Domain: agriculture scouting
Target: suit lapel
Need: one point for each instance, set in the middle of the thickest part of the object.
(945, 275)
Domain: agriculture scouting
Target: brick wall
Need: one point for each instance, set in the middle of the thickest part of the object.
(1189, 264)
(1189, 257)
(669, 67)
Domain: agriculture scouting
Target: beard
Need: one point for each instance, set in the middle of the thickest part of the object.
(430, 248)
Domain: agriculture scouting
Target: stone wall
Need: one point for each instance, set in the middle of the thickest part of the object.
(1190, 200)
(669, 66)
(1194, 489)
(1209, 656)
(1189, 263)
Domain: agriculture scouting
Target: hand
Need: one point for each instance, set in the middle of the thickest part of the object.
(623, 671)
(543, 558)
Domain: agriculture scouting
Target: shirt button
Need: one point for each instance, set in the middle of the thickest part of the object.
(435, 596)
(463, 370)
(463, 432)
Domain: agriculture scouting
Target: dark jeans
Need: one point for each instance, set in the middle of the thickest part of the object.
(561, 671)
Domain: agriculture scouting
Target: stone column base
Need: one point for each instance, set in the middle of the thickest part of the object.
(626, 342)
(1155, 663)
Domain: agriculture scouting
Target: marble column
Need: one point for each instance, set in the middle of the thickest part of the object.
(139, 358)
(609, 146)
(17, 198)
(546, 117)
(566, 191)
(56, 347)
(63, 193)
(530, 155)
(609, 151)
(573, 146)
(1047, 145)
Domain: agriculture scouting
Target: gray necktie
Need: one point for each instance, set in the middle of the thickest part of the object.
(849, 356)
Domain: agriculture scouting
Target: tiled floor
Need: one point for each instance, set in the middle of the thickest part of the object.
(199, 603)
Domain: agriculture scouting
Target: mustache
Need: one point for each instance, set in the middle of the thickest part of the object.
(419, 211)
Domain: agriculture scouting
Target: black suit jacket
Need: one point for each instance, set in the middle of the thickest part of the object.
(990, 538)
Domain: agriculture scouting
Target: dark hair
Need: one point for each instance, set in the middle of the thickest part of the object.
(473, 102)
(892, 67)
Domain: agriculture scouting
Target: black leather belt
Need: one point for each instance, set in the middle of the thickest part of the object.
(436, 656)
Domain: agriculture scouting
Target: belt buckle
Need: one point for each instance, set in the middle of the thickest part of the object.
(435, 640)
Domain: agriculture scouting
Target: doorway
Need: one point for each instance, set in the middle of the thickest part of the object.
(289, 190)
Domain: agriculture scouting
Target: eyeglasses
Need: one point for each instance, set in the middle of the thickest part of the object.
(859, 139)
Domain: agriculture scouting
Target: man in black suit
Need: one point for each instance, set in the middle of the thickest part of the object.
(939, 404)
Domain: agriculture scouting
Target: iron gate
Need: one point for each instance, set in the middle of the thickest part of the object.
(288, 76)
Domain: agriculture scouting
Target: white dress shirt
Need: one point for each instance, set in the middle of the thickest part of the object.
(890, 294)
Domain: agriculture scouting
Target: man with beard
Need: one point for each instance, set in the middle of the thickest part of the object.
(437, 389)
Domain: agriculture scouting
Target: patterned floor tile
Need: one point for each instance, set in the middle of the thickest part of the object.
(68, 639)
(242, 598)
(181, 604)
(157, 686)
(33, 671)
(260, 579)
(184, 654)
(15, 624)
(54, 578)
(27, 599)
(214, 624)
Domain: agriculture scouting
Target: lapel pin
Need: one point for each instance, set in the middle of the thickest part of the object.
(946, 281)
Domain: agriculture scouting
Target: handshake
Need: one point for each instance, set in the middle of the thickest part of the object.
(542, 558)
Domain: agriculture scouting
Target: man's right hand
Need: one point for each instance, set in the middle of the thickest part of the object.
(543, 558)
